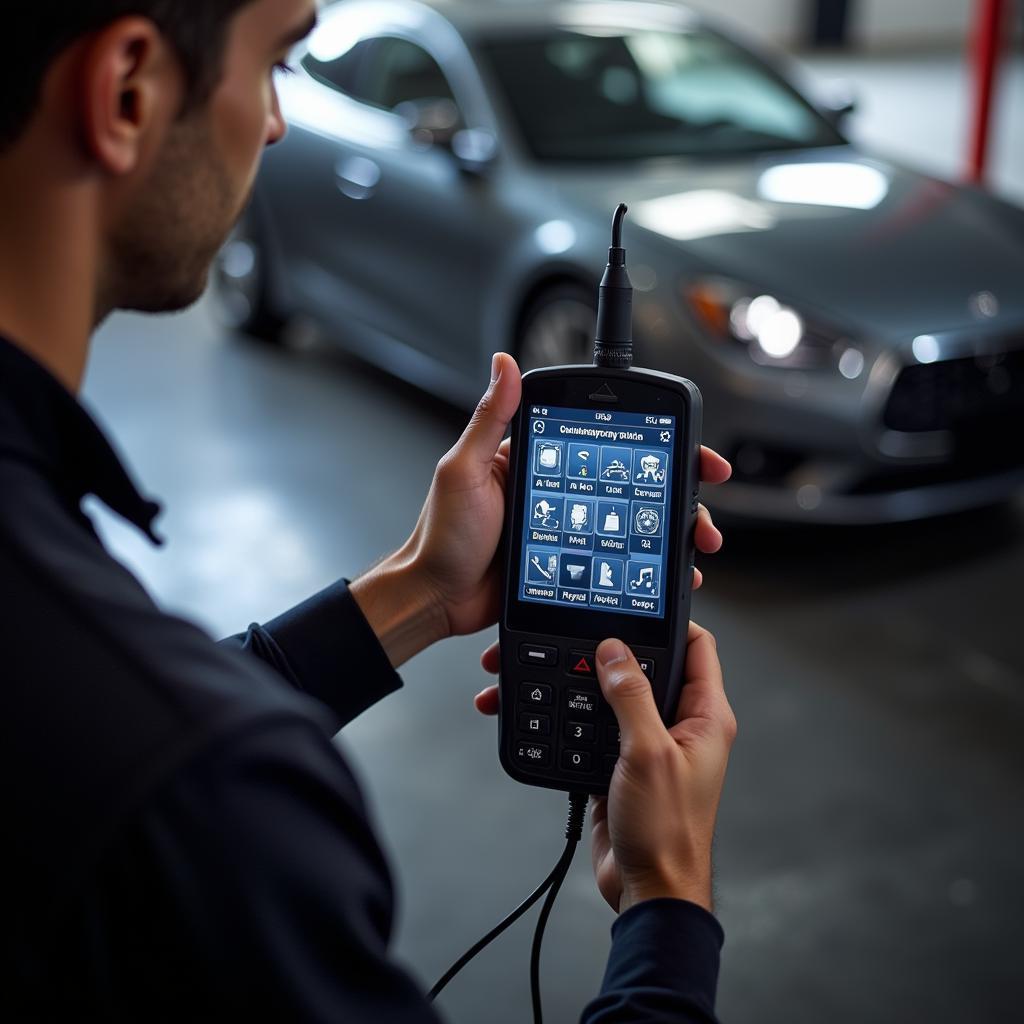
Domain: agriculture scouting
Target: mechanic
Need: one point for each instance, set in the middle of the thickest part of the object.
(183, 840)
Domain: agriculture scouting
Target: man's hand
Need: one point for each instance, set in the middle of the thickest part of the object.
(652, 834)
(445, 580)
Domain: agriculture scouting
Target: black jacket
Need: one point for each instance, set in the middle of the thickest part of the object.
(182, 839)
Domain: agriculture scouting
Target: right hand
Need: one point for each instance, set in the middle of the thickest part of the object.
(652, 834)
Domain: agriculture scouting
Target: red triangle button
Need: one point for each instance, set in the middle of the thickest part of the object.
(583, 667)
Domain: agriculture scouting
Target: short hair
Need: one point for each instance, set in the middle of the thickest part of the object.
(40, 30)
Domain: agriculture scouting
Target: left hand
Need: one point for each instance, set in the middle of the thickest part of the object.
(456, 539)
(445, 580)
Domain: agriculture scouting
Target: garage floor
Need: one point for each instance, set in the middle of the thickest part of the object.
(871, 836)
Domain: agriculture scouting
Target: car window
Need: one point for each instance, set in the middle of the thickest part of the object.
(398, 71)
(342, 73)
(634, 95)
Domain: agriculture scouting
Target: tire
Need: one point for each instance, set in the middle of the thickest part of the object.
(241, 286)
(558, 327)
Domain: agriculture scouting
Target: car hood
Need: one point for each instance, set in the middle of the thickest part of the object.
(866, 244)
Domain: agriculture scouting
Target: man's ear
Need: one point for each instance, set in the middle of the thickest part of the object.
(131, 85)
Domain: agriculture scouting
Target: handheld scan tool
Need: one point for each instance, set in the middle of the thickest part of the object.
(602, 503)
(602, 496)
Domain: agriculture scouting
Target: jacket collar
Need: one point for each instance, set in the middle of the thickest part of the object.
(42, 423)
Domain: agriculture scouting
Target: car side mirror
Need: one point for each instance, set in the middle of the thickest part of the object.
(431, 122)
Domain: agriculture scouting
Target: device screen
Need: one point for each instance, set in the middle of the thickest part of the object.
(597, 508)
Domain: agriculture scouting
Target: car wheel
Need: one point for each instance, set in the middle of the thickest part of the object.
(241, 287)
(558, 328)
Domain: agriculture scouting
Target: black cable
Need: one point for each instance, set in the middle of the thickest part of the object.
(494, 932)
(573, 833)
(613, 340)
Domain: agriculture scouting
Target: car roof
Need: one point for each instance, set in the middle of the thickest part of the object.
(487, 17)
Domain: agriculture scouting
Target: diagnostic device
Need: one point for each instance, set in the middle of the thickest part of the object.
(602, 502)
(604, 477)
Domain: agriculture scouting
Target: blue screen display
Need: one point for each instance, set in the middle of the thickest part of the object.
(597, 510)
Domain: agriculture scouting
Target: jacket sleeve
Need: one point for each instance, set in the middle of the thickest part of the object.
(663, 966)
(250, 888)
(319, 647)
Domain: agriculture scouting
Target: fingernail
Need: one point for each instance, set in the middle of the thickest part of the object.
(611, 652)
(495, 367)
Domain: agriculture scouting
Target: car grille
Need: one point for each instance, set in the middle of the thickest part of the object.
(971, 397)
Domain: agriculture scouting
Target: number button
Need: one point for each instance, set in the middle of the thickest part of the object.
(647, 667)
(576, 760)
(582, 732)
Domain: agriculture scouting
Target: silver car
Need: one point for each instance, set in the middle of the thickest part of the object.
(857, 329)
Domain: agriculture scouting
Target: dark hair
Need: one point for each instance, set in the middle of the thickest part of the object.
(40, 30)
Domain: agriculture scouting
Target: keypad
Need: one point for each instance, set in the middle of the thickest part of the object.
(563, 725)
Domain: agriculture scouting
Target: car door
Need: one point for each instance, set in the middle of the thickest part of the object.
(433, 230)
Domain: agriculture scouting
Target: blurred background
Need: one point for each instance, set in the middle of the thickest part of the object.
(824, 237)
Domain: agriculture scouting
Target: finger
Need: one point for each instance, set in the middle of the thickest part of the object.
(629, 693)
(482, 437)
(491, 659)
(486, 701)
(713, 468)
(707, 536)
(698, 578)
(703, 696)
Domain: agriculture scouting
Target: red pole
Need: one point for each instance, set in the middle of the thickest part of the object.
(987, 29)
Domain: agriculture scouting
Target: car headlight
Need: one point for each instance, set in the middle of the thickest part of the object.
(773, 333)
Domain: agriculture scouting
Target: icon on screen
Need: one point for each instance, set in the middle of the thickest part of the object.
(544, 515)
(647, 521)
(579, 515)
(582, 463)
(612, 518)
(541, 567)
(644, 579)
(608, 575)
(547, 458)
(651, 471)
(574, 571)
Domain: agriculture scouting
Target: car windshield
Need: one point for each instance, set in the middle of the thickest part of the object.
(607, 96)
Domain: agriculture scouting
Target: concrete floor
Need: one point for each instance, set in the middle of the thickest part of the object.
(871, 834)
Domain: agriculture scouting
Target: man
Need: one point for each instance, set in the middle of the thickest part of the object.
(183, 840)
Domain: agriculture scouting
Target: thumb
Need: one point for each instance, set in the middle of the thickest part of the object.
(627, 690)
(494, 412)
